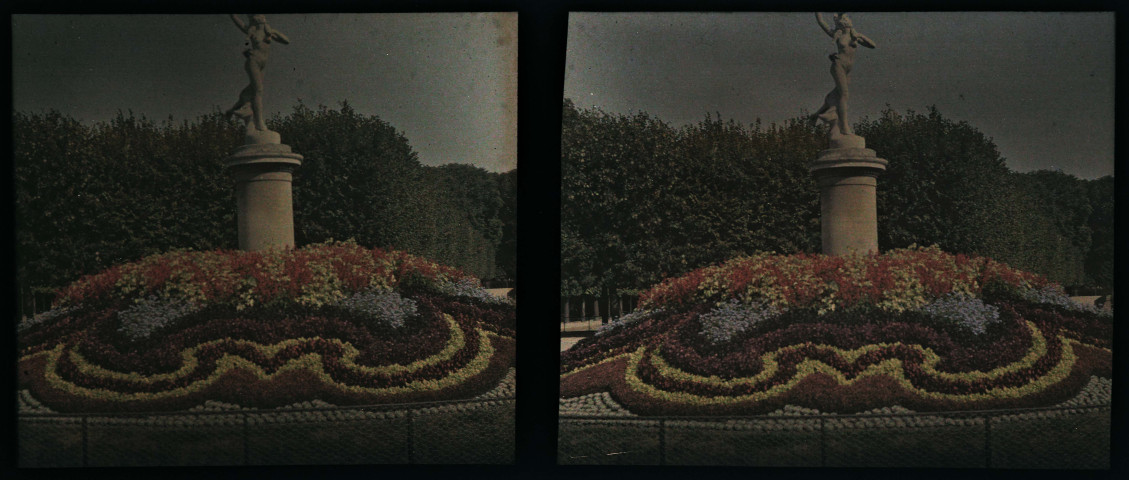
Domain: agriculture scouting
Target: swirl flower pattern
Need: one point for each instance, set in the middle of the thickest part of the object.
(917, 328)
(328, 322)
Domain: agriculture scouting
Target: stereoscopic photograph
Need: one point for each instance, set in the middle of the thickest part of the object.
(837, 239)
(256, 239)
(786, 239)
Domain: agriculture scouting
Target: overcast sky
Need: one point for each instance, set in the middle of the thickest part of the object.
(448, 81)
(1041, 85)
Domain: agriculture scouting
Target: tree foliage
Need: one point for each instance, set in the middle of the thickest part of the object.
(1099, 258)
(475, 193)
(1066, 227)
(91, 196)
(940, 177)
(506, 258)
(642, 200)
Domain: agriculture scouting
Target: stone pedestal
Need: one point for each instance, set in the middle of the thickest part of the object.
(847, 176)
(262, 170)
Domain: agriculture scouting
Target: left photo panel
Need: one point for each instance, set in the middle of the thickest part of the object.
(265, 239)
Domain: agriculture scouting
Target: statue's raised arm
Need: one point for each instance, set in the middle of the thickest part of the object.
(239, 23)
(823, 24)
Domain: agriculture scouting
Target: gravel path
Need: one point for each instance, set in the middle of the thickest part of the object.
(505, 390)
(1096, 392)
(568, 342)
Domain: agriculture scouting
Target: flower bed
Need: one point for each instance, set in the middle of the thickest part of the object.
(914, 327)
(335, 322)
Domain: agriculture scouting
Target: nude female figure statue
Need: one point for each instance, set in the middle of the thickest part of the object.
(249, 107)
(847, 40)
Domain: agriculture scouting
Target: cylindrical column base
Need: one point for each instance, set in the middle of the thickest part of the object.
(847, 179)
(264, 209)
(264, 200)
(848, 214)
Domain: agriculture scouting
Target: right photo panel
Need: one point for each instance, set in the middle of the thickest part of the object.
(837, 240)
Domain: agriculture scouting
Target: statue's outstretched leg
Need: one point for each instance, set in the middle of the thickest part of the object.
(827, 113)
(818, 115)
(242, 108)
(831, 116)
(243, 113)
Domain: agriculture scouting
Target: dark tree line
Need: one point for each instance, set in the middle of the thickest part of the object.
(89, 197)
(642, 200)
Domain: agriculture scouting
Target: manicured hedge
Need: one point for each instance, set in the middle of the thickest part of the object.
(88, 196)
(335, 322)
(914, 327)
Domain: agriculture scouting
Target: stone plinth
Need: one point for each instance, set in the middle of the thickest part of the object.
(847, 177)
(264, 202)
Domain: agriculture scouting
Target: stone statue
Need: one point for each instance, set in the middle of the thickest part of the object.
(847, 40)
(249, 108)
